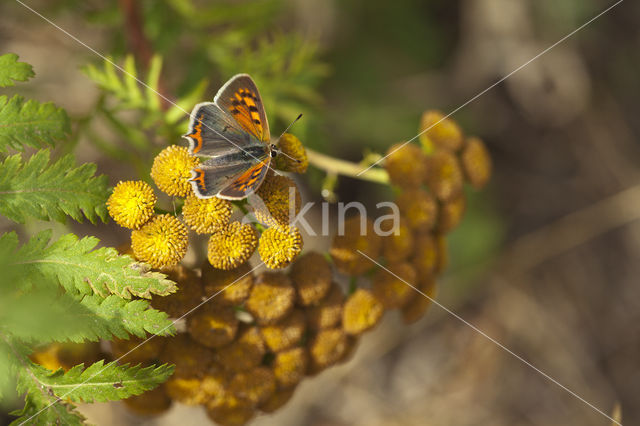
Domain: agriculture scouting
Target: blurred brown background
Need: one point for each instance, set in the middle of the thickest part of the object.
(547, 261)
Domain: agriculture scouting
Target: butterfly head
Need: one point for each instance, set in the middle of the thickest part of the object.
(274, 150)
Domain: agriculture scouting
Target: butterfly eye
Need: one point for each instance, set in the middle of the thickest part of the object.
(274, 150)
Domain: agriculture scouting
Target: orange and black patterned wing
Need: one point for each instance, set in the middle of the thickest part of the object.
(232, 175)
(240, 98)
(246, 183)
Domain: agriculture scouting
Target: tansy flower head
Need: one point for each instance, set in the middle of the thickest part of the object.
(214, 383)
(346, 248)
(442, 132)
(394, 292)
(418, 305)
(292, 157)
(279, 398)
(444, 176)
(185, 390)
(245, 352)
(398, 245)
(190, 358)
(68, 355)
(189, 292)
(419, 208)
(289, 367)
(206, 216)
(230, 287)
(150, 403)
(406, 165)
(476, 163)
(271, 298)
(232, 245)
(451, 213)
(281, 200)
(279, 245)
(213, 326)
(286, 333)
(230, 410)
(131, 204)
(362, 311)
(311, 275)
(131, 351)
(160, 242)
(328, 313)
(327, 348)
(171, 170)
(425, 255)
(255, 385)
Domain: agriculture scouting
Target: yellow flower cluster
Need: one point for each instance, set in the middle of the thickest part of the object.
(162, 240)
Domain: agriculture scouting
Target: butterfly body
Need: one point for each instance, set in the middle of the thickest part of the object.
(232, 133)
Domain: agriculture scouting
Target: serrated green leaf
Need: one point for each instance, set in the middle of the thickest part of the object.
(30, 123)
(100, 382)
(11, 69)
(42, 407)
(76, 266)
(44, 315)
(51, 191)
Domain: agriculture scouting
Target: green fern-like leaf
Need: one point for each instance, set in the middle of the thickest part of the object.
(100, 382)
(51, 191)
(43, 315)
(11, 70)
(76, 266)
(30, 123)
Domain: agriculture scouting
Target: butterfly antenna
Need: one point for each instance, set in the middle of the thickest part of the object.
(286, 130)
(289, 126)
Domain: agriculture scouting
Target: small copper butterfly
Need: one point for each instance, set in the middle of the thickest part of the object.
(232, 132)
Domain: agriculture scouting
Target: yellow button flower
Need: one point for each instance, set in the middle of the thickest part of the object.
(232, 245)
(286, 333)
(361, 312)
(279, 246)
(131, 204)
(443, 132)
(171, 170)
(271, 298)
(444, 175)
(281, 200)
(328, 313)
(255, 385)
(311, 274)
(160, 242)
(292, 157)
(245, 352)
(289, 367)
(476, 163)
(206, 216)
(346, 248)
(406, 165)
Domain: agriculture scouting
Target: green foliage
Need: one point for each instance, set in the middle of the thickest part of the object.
(51, 191)
(11, 69)
(65, 289)
(79, 269)
(30, 123)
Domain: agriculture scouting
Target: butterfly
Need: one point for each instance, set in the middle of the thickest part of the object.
(232, 132)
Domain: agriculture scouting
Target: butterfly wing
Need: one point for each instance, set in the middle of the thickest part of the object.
(213, 131)
(232, 175)
(240, 98)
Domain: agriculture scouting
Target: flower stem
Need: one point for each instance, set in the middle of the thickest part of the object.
(346, 168)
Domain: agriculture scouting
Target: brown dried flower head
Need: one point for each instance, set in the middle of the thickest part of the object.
(419, 208)
(328, 313)
(230, 287)
(444, 175)
(311, 275)
(245, 352)
(286, 333)
(346, 248)
(392, 288)
(212, 325)
(476, 163)
(290, 367)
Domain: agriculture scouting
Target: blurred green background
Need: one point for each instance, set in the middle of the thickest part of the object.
(547, 258)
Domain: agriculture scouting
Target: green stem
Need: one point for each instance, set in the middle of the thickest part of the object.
(346, 168)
